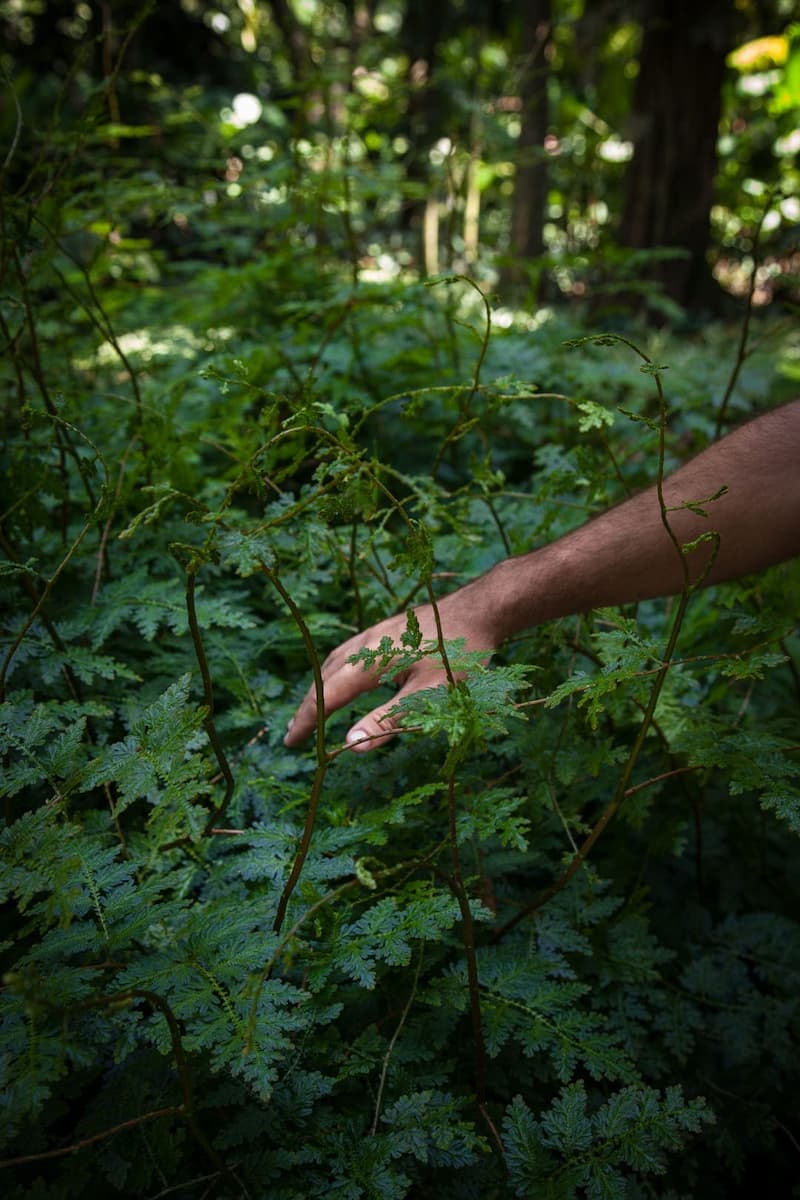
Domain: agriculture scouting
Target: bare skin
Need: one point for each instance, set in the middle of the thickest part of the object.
(620, 557)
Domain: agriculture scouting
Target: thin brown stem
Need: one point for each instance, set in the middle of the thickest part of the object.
(181, 1187)
(208, 696)
(17, 127)
(622, 789)
(390, 1048)
(351, 566)
(108, 69)
(63, 441)
(322, 756)
(103, 326)
(466, 406)
(104, 536)
(639, 787)
(456, 882)
(186, 1109)
(39, 611)
(742, 352)
(500, 527)
(176, 1110)
(184, 1076)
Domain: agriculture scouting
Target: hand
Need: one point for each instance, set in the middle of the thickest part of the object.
(343, 681)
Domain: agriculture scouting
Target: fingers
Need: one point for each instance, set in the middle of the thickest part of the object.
(373, 730)
(342, 682)
(381, 725)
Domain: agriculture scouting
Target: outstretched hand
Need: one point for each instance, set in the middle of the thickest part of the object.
(343, 681)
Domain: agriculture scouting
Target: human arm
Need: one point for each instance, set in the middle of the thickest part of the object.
(622, 556)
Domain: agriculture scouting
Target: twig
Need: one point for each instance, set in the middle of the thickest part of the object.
(254, 740)
(464, 408)
(390, 1048)
(664, 775)
(63, 441)
(17, 129)
(38, 610)
(105, 327)
(322, 756)
(179, 1187)
(101, 550)
(282, 944)
(108, 70)
(176, 1110)
(208, 696)
(622, 789)
(500, 526)
(780, 1125)
(351, 566)
(578, 860)
(456, 882)
(742, 352)
(315, 907)
(184, 1110)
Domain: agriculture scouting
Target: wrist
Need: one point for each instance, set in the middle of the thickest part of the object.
(498, 603)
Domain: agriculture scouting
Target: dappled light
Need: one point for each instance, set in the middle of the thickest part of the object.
(399, 659)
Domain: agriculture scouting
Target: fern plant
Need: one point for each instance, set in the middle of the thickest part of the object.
(430, 972)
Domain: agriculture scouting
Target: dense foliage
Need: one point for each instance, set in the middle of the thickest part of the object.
(440, 970)
(414, 121)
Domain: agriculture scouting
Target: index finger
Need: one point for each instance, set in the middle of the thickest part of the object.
(341, 682)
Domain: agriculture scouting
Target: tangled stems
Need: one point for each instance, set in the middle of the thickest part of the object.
(209, 724)
(623, 789)
(456, 882)
(463, 415)
(208, 696)
(323, 759)
(184, 1110)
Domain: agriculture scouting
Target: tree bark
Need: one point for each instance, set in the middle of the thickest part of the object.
(674, 125)
(529, 204)
(427, 114)
(294, 37)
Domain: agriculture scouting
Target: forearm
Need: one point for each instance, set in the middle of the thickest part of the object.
(624, 555)
(627, 554)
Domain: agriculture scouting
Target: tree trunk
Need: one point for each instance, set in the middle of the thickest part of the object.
(427, 114)
(529, 205)
(674, 125)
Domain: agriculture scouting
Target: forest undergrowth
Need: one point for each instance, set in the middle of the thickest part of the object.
(545, 945)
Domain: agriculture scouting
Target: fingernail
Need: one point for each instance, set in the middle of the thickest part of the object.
(355, 736)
